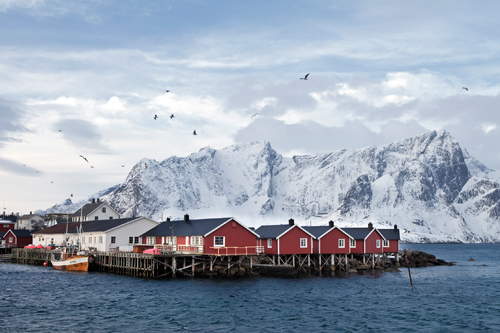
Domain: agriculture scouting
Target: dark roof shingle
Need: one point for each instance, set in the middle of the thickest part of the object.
(191, 228)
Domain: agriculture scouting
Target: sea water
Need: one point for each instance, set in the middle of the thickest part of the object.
(460, 298)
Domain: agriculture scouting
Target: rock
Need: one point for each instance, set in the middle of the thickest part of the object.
(363, 267)
(470, 259)
(352, 270)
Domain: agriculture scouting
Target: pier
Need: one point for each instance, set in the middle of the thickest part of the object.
(172, 265)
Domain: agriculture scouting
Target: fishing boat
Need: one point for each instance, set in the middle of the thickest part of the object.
(79, 262)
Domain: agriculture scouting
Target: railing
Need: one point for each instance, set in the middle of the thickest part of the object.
(180, 249)
(238, 250)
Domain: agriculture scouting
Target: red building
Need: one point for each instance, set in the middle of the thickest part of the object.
(331, 239)
(6, 225)
(17, 238)
(391, 242)
(285, 239)
(218, 236)
(366, 240)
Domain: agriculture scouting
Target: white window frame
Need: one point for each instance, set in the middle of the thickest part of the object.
(223, 238)
(100, 239)
(378, 243)
(303, 243)
(341, 243)
(269, 243)
(352, 242)
(11, 239)
(196, 240)
(385, 243)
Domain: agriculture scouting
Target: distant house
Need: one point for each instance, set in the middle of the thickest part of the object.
(29, 221)
(94, 211)
(17, 238)
(392, 238)
(6, 225)
(102, 235)
(285, 239)
(367, 240)
(216, 236)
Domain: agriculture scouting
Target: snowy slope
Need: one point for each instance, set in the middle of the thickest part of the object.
(427, 185)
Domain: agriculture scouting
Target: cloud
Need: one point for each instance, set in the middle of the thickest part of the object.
(9, 166)
(83, 134)
(10, 115)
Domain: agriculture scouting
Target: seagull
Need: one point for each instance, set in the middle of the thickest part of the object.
(60, 131)
(167, 91)
(92, 166)
(52, 182)
(72, 195)
(194, 132)
(254, 115)
(156, 117)
(171, 116)
(305, 77)
(466, 89)
(84, 158)
(123, 165)
(24, 164)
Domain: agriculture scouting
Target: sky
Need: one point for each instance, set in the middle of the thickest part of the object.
(87, 78)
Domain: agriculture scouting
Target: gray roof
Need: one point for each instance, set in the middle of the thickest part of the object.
(272, 231)
(60, 228)
(104, 225)
(357, 233)
(87, 209)
(317, 231)
(28, 216)
(191, 228)
(391, 234)
(20, 233)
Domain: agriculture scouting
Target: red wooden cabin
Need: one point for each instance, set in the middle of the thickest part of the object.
(285, 239)
(331, 239)
(17, 238)
(367, 240)
(217, 236)
(391, 242)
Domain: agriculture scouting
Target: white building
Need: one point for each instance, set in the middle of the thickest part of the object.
(27, 222)
(94, 211)
(101, 235)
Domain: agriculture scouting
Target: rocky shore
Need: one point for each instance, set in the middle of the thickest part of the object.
(263, 266)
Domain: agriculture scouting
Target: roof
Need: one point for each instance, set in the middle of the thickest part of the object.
(89, 208)
(317, 231)
(28, 216)
(390, 234)
(358, 233)
(104, 225)
(60, 228)
(191, 228)
(272, 231)
(20, 233)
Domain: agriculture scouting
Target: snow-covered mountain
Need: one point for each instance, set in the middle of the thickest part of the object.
(427, 185)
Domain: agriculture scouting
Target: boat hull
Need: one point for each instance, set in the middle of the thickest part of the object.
(78, 263)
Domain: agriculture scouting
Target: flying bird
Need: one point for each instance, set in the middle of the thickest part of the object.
(123, 165)
(156, 117)
(466, 89)
(167, 91)
(194, 132)
(92, 166)
(84, 158)
(60, 131)
(72, 195)
(171, 116)
(305, 77)
(52, 182)
(254, 115)
(24, 164)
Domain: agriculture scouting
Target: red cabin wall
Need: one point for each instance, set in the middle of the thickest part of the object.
(289, 243)
(4, 227)
(235, 236)
(359, 246)
(330, 242)
(273, 249)
(393, 246)
(371, 243)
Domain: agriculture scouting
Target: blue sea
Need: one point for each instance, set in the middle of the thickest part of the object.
(460, 298)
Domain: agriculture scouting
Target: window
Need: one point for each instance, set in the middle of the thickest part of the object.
(113, 239)
(196, 240)
(130, 240)
(111, 217)
(378, 243)
(5, 225)
(150, 240)
(385, 243)
(104, 209)
(303, 242)
(269, 243)
(90, 240)
(219, 240)
(83, 240)
(100, 239)
(96, 218)
(136, 240)
(353, 242)
(341, 243)
(11, 239)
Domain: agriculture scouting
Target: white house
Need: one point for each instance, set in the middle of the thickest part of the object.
(94, 211)
(27, 222)
(102, 235)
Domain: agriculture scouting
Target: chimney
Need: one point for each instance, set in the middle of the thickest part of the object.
(93, 200)
(31, 213)
(97, 199)
(186, 218)
(290, 222)
(168, 219)
(395, 227)
(330, 224)
(370, 226)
